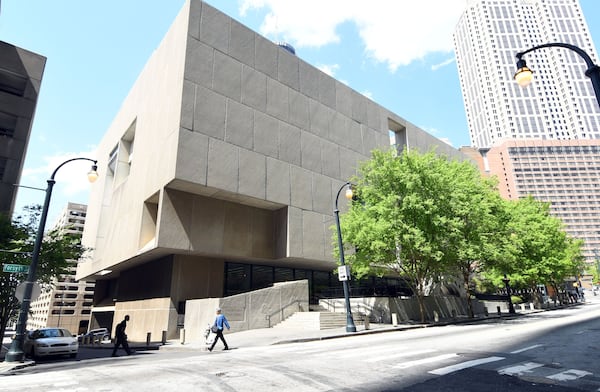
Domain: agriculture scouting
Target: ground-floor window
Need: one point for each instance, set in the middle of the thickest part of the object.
(241, 278)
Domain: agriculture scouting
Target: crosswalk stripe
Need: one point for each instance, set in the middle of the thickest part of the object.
(569, 375)
(406, 365)
(399, 355)
(520, 369)
(463, 365)
(526, 349)
(360, 352)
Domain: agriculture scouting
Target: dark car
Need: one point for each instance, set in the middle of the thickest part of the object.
(95, 335)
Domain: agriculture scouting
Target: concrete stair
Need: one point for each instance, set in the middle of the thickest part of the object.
(315, 321)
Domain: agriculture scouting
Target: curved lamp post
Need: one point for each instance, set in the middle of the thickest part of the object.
(15, 353)
(524, 75)
(350, 327)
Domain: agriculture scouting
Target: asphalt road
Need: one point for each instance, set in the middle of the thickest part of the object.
(550, 351)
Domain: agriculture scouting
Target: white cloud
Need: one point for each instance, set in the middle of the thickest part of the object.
(72, 177)
(393, 32)
(435, 67)
(368, 94)
(329, 69)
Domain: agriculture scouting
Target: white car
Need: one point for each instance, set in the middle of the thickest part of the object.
(50, 341)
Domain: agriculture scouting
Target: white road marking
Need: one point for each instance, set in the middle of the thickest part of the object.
(526, 349)
(406, 365)
(569, 375)
(464, 365)
(399, 355)
(519, 370)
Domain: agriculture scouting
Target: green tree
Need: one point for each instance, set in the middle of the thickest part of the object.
(537, 250)
(403, 221)
(476, 221)
(16, 244)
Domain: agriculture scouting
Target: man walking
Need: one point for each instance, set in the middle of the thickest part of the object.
(220, 321)
(121, 337)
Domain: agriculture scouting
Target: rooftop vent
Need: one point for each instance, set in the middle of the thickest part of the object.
(287, 47)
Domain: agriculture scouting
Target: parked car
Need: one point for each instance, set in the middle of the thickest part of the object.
(50, 341)
(101, 334)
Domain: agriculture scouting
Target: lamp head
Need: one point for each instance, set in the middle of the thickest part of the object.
(524, 75)
(93, 174)
(349, 192)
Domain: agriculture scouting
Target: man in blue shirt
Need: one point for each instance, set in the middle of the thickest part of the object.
(220, 322)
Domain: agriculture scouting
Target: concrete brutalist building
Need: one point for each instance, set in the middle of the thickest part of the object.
(21, 74)
(218, 175)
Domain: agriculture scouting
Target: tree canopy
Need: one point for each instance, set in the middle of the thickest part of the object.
(16, 244)
(425, 217)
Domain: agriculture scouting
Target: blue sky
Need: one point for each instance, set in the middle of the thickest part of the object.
(399, 53)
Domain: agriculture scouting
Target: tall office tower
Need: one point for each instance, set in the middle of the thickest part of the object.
(67, 303)
(20, 80)
(559, 105)
(541, 140)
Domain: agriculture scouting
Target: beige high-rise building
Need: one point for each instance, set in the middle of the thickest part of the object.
(541, 140)
(67, 302)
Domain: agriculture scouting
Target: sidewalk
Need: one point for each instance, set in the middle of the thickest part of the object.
(271, 336)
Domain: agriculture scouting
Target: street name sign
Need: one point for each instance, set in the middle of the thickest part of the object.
(15, 268)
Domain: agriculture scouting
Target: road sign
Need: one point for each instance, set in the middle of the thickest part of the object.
(15, 268)
(343, 273)
(36, 290)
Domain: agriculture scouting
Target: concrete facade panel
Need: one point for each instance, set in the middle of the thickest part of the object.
(295, 235)
(278, 101)
(227, 76)
(199, 63)
(215, 28)
(338, 128)
(266, 57)
(253, 174)
(321, 194)
(313, 240)
(239, 125)
(288, 69)
(289, 144)
(330, 156)
(207, 225)
(320, 118)
(299, 109)
(174, 227)
(359, 108)
(343, 99)
(241, 46)
(192, 160)
(188, 103)
(254, 89)
(223, 165)
(327, 91)
(266, 134)
(301, 188)
(310, 147)
(209, 113)
(237, 237)
(309, 80)
(278, 181)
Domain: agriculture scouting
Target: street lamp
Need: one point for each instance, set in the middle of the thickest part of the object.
(524, 75)
(511, 308)
(15, 353)
(350, 327)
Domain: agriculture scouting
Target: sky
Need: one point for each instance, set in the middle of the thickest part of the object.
(399, 53)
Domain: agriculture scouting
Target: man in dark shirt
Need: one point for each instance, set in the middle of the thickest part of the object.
(121, 337)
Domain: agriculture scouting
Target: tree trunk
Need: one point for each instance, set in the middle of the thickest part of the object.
(468, 293)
